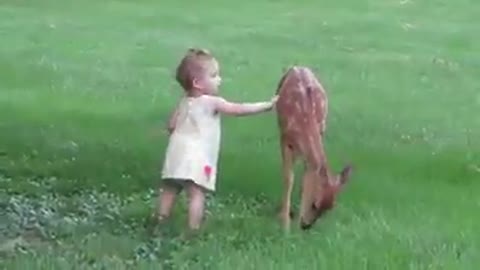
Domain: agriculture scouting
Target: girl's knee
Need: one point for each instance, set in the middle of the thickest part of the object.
(195, 191)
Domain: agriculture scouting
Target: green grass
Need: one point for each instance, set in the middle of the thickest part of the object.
(84, 83)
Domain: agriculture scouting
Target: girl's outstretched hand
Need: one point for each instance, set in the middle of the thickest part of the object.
(273, 101)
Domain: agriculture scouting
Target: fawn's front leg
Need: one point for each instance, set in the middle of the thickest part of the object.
(288, 178)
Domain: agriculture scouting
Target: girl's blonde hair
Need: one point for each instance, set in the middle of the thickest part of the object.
(194, 64)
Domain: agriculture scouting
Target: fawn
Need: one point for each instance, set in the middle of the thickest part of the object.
(301, 112)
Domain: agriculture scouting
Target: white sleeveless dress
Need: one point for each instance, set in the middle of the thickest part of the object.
(193, 149)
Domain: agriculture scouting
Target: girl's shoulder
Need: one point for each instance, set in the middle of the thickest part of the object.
(205, 100)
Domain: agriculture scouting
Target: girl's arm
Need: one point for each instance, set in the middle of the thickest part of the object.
(240, 109)
(172, 121)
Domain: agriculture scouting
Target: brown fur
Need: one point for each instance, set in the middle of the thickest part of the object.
(302, 111)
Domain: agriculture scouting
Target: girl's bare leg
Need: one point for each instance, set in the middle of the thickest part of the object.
(167, 195)
(196, 206)
(166, 200)
(166, 203)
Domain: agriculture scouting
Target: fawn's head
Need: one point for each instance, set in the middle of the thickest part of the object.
(322, 194)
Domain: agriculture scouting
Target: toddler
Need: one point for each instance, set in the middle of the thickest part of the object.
(194, 127)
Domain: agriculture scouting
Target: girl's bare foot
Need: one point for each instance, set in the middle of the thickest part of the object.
(190, 234)
(152, 224)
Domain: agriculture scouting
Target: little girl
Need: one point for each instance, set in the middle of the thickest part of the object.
(194, 126)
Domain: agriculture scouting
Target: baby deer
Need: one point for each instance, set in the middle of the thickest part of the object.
(301, 113)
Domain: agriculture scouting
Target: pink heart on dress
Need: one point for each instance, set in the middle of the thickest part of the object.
(208, 170)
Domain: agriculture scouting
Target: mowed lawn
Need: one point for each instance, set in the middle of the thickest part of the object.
(86, 87)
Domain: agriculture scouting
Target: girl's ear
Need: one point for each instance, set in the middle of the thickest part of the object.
(196, 84)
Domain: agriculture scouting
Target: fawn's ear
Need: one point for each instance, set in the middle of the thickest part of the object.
(345, 174)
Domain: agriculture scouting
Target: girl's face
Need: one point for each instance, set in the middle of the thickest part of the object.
(210, 81)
